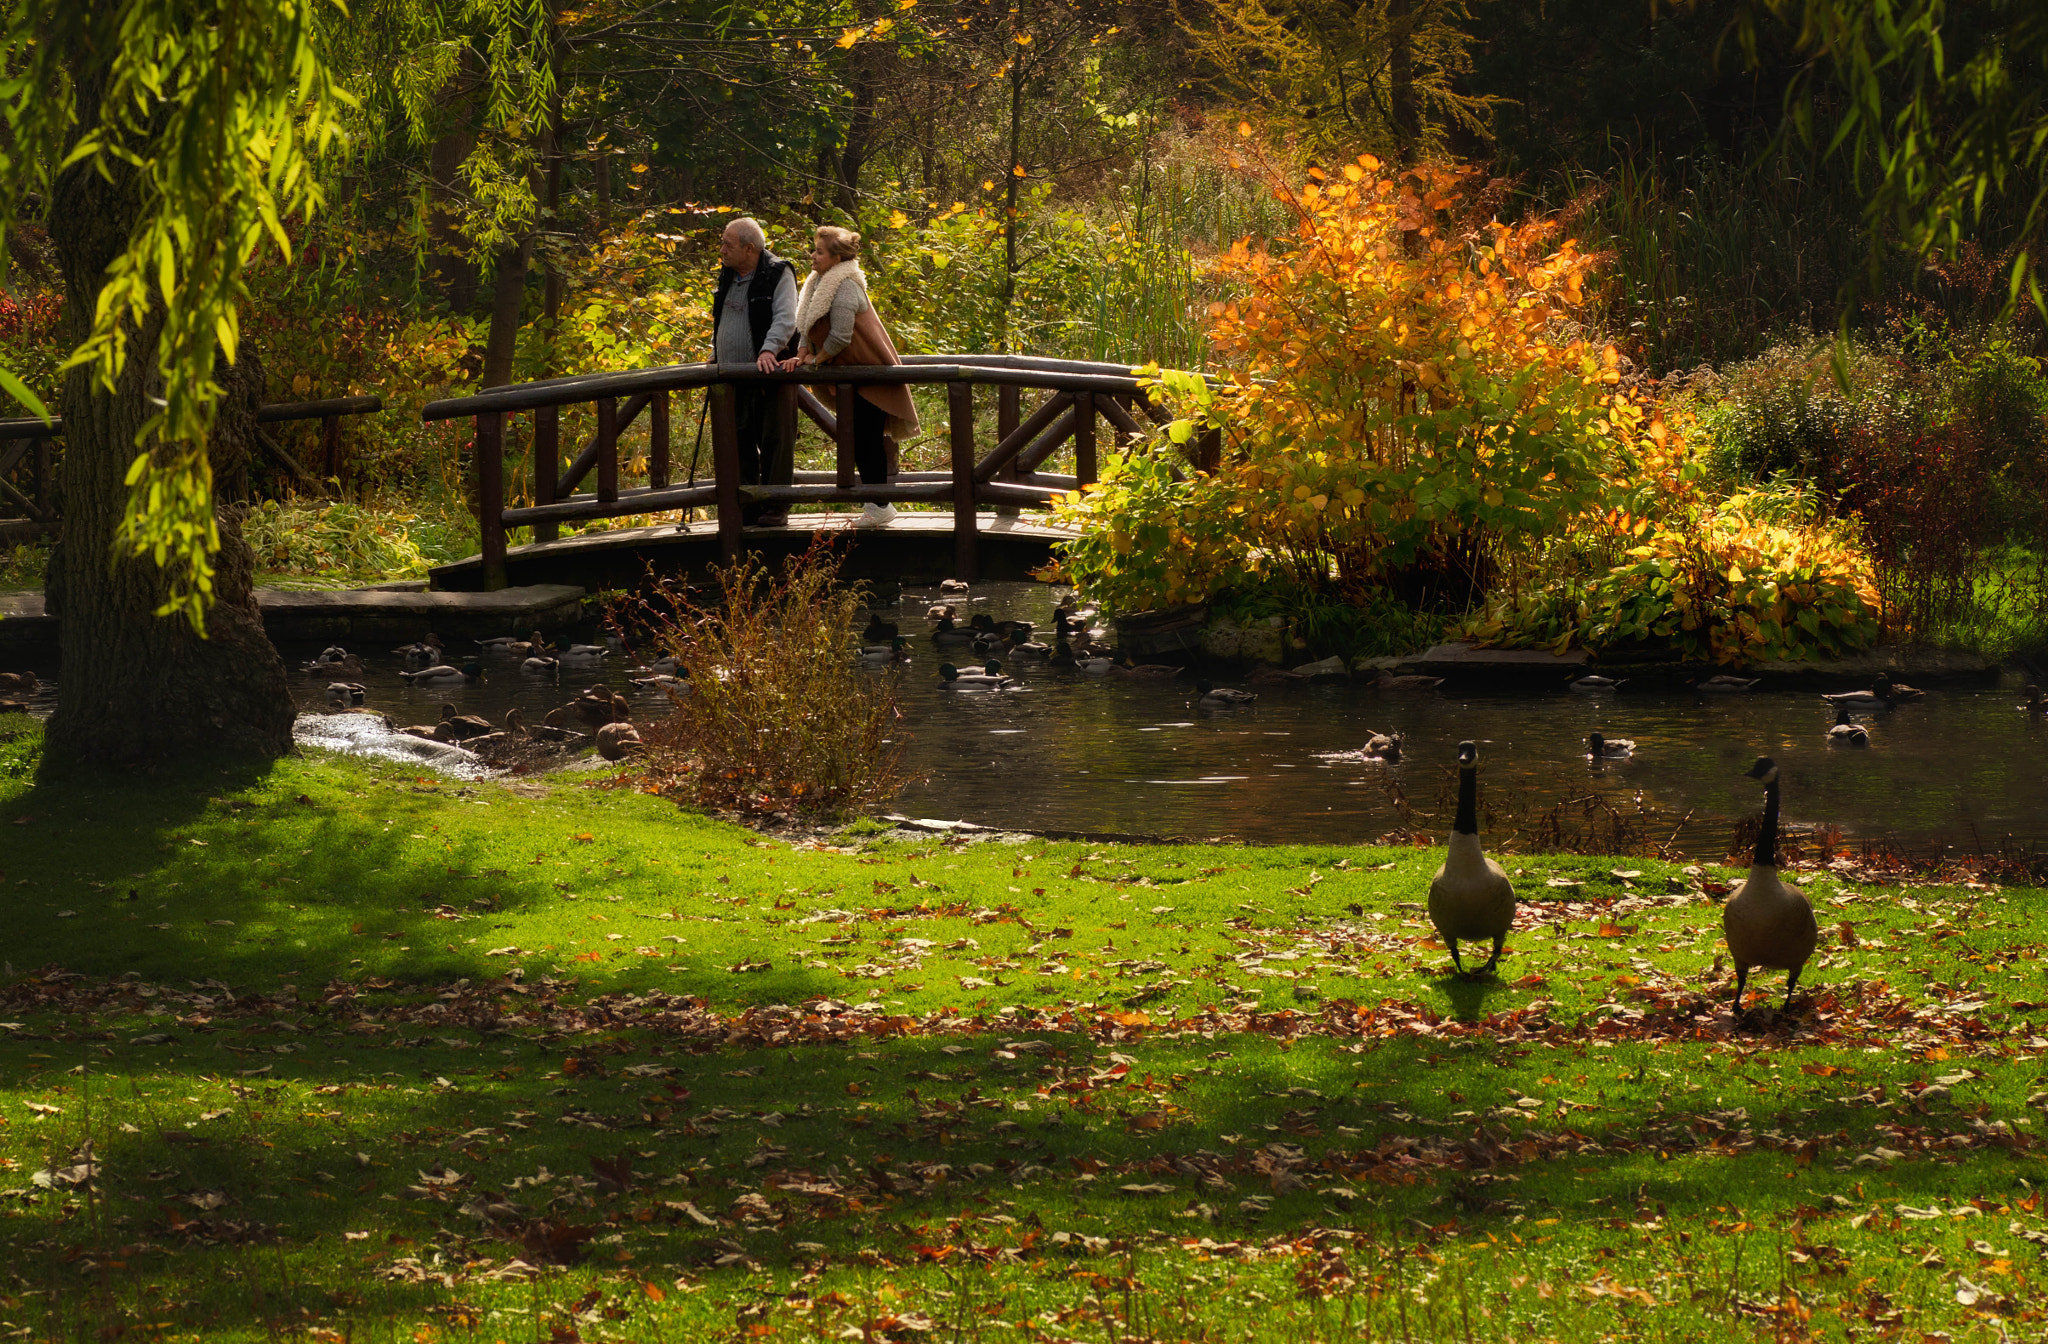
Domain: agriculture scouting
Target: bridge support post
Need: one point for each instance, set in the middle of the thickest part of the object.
(547, 466)
(490, 497)
(725, 468)
(1084, 438)
(1209, 451)
(657, 441)
(330, 443)
(607, 450)
(843, 436)
(1007, 414)
(966, 518)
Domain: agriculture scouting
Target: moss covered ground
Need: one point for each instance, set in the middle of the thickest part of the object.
(332, 1051)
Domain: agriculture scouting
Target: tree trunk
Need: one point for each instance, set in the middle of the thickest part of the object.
(1406, 109)
(138, 688)
(508, 292)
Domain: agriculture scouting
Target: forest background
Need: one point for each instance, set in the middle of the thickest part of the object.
(1834, 422)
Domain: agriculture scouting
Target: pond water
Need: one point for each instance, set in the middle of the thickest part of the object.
(1071, 752)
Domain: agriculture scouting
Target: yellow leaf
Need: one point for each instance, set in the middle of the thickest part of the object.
(897, 219)
(1244, 130)
(1022, 39)
(1016, 170)
(849, 37)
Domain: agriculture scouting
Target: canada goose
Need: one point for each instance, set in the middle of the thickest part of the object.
(1879, 694)
(1602, 748)
(346, 694)
(19, 683)
(897, 650)
(1222, 697)
(1588, 685)
(423, 653)
(1383, 746)
(1847, 732)
(989, 678)
(1146, 671)
(541, 667)
(458, 727)
(617, 740)
(2037, 704)
(1387, 681)
(1766, 922)
(1898, 691)
(1470, 897)
(952, 585)
(445, 675)
(1725, 685)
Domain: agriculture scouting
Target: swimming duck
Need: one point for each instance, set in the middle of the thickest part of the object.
(1847, 732)
(1383, 746)
(952, 586)
(347, 665)
(424, 653)
(617, 740)
(986, 644)
(19, 683)
(1602, 748)
(346, 694)
(897, 650)
(948, 635)
(541, 667)
(458, 727)
(1725, 685)
(1021, 645)
(1222, 697)
(2037, 704)
(939, 611)
(1470, 897)
(1766, 922)
(1387, 681)
(1588, 685)
(1877, 695)
(1898, 691)
(331, 656)
(673, 686)
(1147, 671)
(512, 646)
(878, 631)
(989, 678)
(668, 665)
(445, 675)
(583, 655)
(1062, 655)
(1095, 664)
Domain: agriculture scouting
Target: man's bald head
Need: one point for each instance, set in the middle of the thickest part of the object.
(742, 244)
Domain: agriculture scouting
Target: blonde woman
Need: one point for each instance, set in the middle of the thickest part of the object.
(836, 324)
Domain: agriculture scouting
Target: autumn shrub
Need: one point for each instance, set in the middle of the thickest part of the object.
(31, 347)
(341, 542)
(1403, 389)
(780, 718)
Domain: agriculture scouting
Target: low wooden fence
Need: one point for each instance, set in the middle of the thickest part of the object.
(26, 448)
(1003, 470)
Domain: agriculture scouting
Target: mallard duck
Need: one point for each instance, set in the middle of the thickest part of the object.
(1898, 691)
(2037, 704)
(1062, 655)
(1095, 664)
(1603, 748)
(1021, 645)
(346, 694)
(1387, 681)
(598, 705)
(331, 656)
(13, 706)
(512, 646)
(939, 611)
(1847, 732)
(953, 586)
(552, 729)
(1222, 697)
(897, 650)
(668, 665)
(459, 727)
(1470, 898)
(1382, 746)
(445, 675)
(989, 678)
(1869, 699)
(347, 665)
(424, 653)
(1588, 685)
(1766, 922)
(1725, 685)
(583, 655)
(986, 644)
(1145, 671)
(19, 683)
(947, 634)
(878, 631)
(617, 740)
(541, 667)
(672, 685)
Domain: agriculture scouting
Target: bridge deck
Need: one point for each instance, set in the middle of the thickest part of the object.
(916, 547)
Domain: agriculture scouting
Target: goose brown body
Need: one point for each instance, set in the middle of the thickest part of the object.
(1470, 898)
(1767, 923)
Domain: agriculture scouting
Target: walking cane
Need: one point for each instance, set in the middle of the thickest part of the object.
(702, 411)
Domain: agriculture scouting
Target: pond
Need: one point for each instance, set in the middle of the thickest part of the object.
(1068, 752)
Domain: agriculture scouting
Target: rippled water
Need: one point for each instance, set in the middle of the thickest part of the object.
(1072, 752)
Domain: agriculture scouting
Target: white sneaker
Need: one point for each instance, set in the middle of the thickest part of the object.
(876, 515)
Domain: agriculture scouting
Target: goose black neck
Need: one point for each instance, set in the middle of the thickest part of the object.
(1468, 801)
(1767, 838)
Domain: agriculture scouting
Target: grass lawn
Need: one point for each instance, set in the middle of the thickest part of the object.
(330, 1051)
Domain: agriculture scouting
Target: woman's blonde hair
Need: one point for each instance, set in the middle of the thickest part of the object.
(841, 243)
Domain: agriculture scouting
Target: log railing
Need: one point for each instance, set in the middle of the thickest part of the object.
(30, 440)
(1004, 471)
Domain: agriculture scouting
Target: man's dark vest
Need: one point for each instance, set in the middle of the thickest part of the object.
(768, 272)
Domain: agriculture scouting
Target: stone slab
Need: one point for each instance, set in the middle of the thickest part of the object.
(1534, 665)
(399, 613)
(1905, 664)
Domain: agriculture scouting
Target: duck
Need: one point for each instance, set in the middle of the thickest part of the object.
(939, 611)
(347, 665)
(1021, 645)
(1878, 694)
(952, 586)
(1470, 897)
(1267, 674)
(331, 656)
(1898, 691)
(2037, 704)
(1847, 732)
(1767, 923)
(346, 694)
(897, 650)
(1095, 664)
(552, 729)
(599, 705)
(19, 683)
(1062, 655)
(1222, 697)
(583, 655)
(668, 665)
(511, 735)
(421, 653)
(1726, 685)
(986, 644)
(1602, 748)
(989, 678)
(1382, 746)
(1387, 681)
(513, 647)
(1146, 671)
(948, 634)
(1589, 684)
(540, 667)
(445, 675)
(659, 682)
(618, 740)
(460, 727)
(878, 631)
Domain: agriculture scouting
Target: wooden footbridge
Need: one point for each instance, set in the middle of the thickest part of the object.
(990, 481)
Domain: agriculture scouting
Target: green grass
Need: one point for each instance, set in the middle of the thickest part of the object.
(1164, 1093)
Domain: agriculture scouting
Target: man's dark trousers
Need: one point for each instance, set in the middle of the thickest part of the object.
(764, 456)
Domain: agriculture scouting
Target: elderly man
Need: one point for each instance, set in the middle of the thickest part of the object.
(753, 321)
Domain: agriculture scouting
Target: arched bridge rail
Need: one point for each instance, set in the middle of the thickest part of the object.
(1002, 470)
